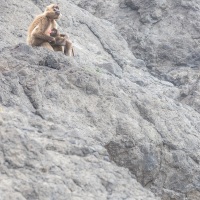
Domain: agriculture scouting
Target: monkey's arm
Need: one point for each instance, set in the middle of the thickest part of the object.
(43, 36)
(42, 28)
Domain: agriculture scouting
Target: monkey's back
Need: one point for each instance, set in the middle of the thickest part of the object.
(33, 25)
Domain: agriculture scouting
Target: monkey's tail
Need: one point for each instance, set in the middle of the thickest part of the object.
(73, 52)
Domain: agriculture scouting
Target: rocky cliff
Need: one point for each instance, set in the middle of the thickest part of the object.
(119, 121)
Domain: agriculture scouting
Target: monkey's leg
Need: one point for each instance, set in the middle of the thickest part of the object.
(68, 48)
(47, 46)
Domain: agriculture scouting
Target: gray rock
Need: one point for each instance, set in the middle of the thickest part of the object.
(165, 34)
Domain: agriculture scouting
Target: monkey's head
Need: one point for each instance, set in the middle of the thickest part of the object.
(54, 32)
(52, 11)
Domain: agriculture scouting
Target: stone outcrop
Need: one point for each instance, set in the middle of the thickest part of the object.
(165, 34)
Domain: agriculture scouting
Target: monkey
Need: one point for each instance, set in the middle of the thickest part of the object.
(60, 40)
(40, 29)
(61, 43)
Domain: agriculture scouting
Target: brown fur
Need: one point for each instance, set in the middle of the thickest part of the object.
(61, 43)
(60, 40)
(40, 29)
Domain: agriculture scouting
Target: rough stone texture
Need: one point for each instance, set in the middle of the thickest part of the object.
(165, 34)
(100, 125)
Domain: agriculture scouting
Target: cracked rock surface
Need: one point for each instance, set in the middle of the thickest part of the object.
(165, 34)
(119, 121)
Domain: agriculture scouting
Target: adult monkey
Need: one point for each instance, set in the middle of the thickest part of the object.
(40, 29)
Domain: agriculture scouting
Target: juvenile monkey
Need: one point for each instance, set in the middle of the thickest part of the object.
(40, 29)
(61, 43)
(60, 40)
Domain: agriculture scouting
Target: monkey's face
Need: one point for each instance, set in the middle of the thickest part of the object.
(54, 32)
(56, 10)
(52, 11)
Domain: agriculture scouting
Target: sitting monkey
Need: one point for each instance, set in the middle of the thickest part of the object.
(40, 29)
(61, 43)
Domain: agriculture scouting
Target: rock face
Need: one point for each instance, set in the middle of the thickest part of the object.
(165, 34)
(118, 121)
